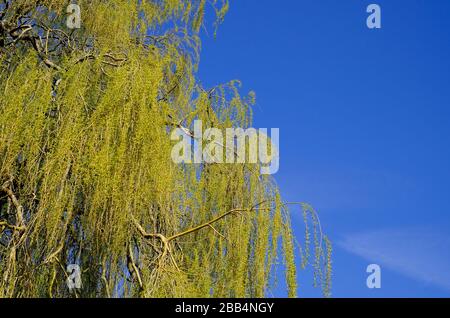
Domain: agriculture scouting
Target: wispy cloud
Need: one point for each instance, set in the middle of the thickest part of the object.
(419, 253)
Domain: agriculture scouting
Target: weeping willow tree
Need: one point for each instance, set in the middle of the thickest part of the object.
(86, 174)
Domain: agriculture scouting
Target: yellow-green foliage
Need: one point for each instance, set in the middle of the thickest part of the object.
(85, 149)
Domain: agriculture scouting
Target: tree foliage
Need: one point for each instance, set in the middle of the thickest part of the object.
(86, 174)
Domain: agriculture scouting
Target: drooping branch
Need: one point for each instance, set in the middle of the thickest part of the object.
(167, 240)
(207, 224)
(12, 227)
(133, 266)
(19, 208)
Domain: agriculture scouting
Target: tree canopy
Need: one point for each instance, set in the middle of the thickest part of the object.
(86, 174)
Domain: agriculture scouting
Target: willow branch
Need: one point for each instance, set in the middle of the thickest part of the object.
(54, 255)
(207, 224)
(19, 208)
(12, 227)
(142, 231)
(133, 265)
(191, 230)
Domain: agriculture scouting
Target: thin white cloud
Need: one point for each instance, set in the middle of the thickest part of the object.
(419, 253)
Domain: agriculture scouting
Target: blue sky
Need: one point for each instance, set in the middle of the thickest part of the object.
(364, 128)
